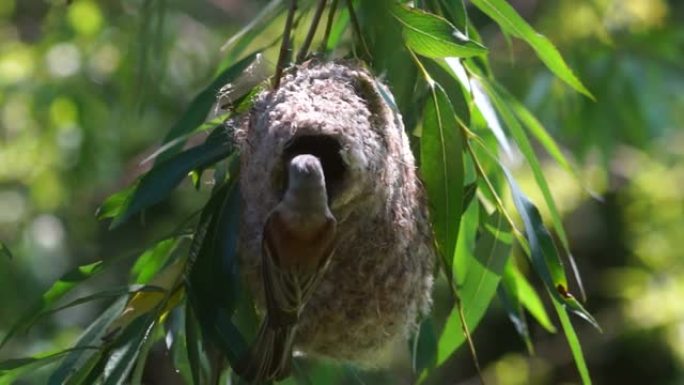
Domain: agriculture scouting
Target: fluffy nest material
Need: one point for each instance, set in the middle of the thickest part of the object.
(380, 279)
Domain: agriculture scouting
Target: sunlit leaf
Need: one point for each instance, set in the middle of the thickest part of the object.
(573, 342)
(484, 271)
(58, 289)
(433, 36)
(153, 259)
(510, 21)
(441, 156)
(115, 204)
(527, 296)
(455, 12)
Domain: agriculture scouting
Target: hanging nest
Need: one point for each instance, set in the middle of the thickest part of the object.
(380, 278)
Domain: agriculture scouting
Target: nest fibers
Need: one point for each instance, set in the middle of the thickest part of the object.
(380, 277)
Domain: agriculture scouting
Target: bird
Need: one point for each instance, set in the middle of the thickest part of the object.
(298, 242)
(375, 285)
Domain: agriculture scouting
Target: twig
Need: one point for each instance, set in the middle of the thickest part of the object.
(285, 45)
(328, 26)
(312, 31)
(357, 27)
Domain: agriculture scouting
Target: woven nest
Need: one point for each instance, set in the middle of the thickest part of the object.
(380, 279)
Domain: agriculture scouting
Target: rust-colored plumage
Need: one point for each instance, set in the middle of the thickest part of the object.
(379, 278)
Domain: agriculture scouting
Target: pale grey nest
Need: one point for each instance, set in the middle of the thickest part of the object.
(380, 279)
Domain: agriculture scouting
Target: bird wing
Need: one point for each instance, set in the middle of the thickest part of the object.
(288, 286)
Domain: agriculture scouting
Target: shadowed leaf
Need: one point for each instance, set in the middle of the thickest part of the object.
(58, 289)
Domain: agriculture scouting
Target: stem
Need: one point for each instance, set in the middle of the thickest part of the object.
(328, 26)
(312, 31)
(357, 28)
(285, 45)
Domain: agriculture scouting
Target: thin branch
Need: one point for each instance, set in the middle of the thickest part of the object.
(312, 31)
(328, 26)
(357, 28)
(285, 45)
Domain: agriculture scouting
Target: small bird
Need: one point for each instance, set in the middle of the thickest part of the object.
(297, 246)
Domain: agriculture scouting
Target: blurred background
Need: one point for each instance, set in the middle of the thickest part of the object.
(88, 90)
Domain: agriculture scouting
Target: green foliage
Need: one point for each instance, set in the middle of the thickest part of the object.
(467, 129)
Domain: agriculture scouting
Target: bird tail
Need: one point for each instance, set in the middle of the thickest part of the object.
(270, 356)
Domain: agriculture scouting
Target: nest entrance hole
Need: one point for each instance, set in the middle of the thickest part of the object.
(325, 148)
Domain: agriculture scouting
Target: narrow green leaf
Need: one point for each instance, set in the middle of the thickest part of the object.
(77, 362)
(105, 294)
(152, 260)
(433, 36)
(21, 363)
(441, 156)
(511, 22)
(5, 251)
(158, 183)
(58, 289)
(264, 17)
(193, 341)
(502, 103)
(200, 106)
(213, 279)
(424, 351)
(477, 291)
(125, 350)
(455, 12)
(481, 102)
(526, 295)
(573, 342)
(511, 305)
(543, 252)
(115, 204)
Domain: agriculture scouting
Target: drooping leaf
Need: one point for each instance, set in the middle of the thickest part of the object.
(432, 36)
(481, 101)
(158, 183)
(14, 368)
(424, 351)
(76, 362)
(523, 293)
(573, 342)
(193, 341)
(265, 16)
(511, 305)
(213, 279)
(511, 22)
(153, 259)
(58, 289)
(115, 204)
(125, 349)
(199, 108)
(543, 252)
(455, 12)
(484, 270)
(441, 157)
